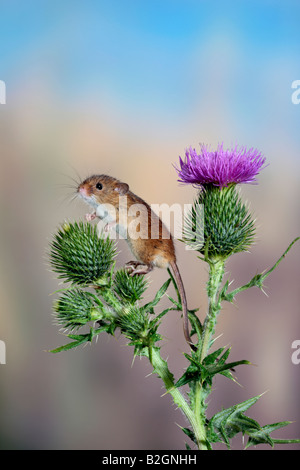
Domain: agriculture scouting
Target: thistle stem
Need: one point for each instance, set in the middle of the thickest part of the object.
(195, 416)
(215, 278)
(161, 369)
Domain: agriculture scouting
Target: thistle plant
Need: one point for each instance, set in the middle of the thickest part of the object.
(101, 299)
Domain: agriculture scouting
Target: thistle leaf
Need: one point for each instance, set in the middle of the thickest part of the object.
(78, 340)
(262, 435)
(229, 422)
(149, 306)
(189, 433)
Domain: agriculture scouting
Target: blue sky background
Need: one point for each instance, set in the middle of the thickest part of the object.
(156, 56)
(123, 87)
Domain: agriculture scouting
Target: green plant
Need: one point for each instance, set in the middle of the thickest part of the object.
(107, 299)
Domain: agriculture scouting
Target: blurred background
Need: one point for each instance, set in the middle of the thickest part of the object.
(123, 87)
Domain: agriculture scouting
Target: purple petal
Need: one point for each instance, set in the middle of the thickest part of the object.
(220, 167)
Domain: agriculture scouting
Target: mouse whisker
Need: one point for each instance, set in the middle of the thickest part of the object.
(79, 179)
(68, 198)
(73, 181)
(66, 185)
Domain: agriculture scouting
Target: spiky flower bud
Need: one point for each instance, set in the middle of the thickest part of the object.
(134, 323)
(129, 288)
(75, 308)
(79, 255)
(227, 227)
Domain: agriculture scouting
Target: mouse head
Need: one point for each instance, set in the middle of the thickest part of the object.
(102, 189)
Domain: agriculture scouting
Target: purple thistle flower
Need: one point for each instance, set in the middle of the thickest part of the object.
(221, 167)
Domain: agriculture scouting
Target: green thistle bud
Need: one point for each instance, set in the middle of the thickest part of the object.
(227, 227)
(129, 288)
(75, 308)
(79, 255)
(134, 323)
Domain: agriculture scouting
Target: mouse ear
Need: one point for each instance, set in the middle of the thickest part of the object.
(122, 188)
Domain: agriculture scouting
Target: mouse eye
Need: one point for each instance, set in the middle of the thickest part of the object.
(99, 186)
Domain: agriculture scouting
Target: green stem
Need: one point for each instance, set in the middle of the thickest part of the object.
(215, 278)
(161, 369)
(109, 297)
(200, 408)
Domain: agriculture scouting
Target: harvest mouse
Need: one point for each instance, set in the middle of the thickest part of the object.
(148, 238)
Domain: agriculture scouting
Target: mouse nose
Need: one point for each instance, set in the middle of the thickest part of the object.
(82, 190)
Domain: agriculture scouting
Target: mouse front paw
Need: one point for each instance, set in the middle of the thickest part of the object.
(109, 226)
(90, 217)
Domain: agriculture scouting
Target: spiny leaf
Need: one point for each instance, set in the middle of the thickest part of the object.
(262, 435)
(214, 369)
(256, 281)
(211, 358)
(85, 338)
(68, 346)
(196, 324)
(210, 366)
(149, 306)
(79, 339)
(229, 422)
(240, 407)
(192, 374)
(189, 433)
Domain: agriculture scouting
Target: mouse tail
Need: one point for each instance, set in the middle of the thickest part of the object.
(181, 289)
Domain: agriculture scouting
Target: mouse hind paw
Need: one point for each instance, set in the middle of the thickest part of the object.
(137, 268)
